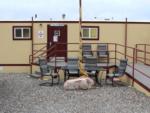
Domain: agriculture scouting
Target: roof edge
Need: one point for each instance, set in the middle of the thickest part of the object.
(107, 22)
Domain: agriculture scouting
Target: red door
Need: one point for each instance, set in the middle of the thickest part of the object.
(57, 35)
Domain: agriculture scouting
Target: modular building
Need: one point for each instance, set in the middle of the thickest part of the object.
(21, 41)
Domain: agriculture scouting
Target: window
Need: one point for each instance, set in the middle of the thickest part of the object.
(57, 33)
(22, 33)
(90, 33)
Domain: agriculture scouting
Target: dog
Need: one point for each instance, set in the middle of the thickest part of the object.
(79, 83)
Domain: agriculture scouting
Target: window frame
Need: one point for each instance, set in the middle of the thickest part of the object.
(22, 27)
(90, 27)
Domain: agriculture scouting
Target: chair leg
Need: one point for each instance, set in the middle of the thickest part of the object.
(106, 80)
(58, 79)
(68, 77)
(47, 83)
(52, 81)
(112, 81)
(96, 78)
(107, 59)
(65, 76)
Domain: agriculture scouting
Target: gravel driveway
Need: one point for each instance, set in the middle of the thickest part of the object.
(22, 94)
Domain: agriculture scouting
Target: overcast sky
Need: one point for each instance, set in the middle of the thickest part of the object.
(134, 10)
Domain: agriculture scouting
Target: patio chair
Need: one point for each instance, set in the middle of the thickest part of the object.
(72, 68)
(42, 61)
(86, 51)
(120, 71)
(92, 68)
(102, 53)
(47, 70)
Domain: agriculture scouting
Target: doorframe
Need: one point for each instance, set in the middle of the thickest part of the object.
(59, 25)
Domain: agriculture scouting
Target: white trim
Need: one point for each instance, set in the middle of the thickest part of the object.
(22, 28)
(89, 30)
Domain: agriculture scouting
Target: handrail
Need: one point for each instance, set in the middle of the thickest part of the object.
(40, 44)
(134, 68)
(116, 49)
(143, 50)
(126, 46)
(32, 55)
(142, 58)
(143, 44)
(47, 50)
(39, 50)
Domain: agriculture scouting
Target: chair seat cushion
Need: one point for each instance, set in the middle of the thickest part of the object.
(103, 55)
(89, 55)
(92, 72)
(113, 75)
(73, 71)
(54, 74)
(47, 74)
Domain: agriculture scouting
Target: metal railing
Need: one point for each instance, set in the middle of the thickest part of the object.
(35, 52)
(143, 53)
(116, 51)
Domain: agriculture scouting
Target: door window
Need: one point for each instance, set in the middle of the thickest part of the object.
(57, 33)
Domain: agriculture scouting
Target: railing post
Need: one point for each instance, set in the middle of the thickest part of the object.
(32, 33)
(55, 49)
(115, 53)
(136, 47)
(126, 38)
(30, 64)
(133, 66)
(144, 53)
(108, 53)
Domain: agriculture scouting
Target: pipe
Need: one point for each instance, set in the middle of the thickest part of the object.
(126, 32)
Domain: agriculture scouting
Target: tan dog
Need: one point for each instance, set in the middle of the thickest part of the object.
(79, 83)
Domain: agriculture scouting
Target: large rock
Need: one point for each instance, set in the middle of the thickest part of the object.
(79, 83)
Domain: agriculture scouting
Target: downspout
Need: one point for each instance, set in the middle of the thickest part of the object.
(126, 37)
(32, 37)
(80, 28)
(32, 22)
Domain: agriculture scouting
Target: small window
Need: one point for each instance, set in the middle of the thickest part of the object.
(90, 33)
(57, 33)
(21, 33)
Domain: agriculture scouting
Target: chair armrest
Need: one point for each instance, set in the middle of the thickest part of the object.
(72, 71)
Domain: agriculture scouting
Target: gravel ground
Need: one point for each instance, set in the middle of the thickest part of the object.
(22, 94)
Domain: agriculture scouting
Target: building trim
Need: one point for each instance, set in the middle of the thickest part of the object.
(102, 22)
(14, 64)
(13, 27)
(98, 34)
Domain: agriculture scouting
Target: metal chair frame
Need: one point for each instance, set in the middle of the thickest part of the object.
(72, 68)
(102, 52)
(47, 70)
(119, 72)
